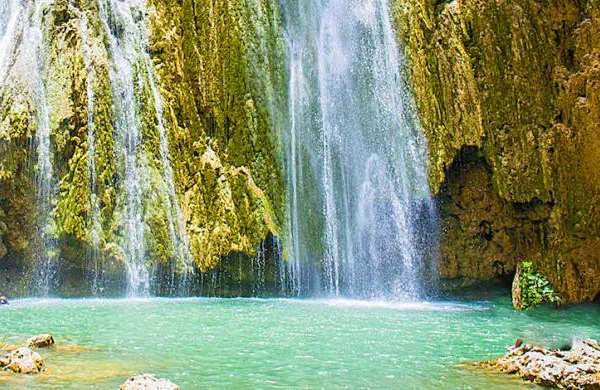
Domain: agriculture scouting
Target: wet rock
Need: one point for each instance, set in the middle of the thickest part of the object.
(576, 368)
(23, 360)
(148, 382)
(4, 361)
(41, 341)
(516, 290)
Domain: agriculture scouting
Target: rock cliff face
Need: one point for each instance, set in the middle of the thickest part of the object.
(508, 92)
(220, 65)
(216, 66)
(509, 96)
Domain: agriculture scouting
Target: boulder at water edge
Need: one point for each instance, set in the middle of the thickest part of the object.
(148, 382)
(577, 368)
(4, 361)
(41, 341)
(23, 360)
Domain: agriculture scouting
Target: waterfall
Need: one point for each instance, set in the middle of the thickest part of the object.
(10, 13)
(95, 225)
(141, 171)
(46, 251)
(130, 67)
(23, 57)
(177, 231)
(123, 53)
(358, 204)
(361, 220)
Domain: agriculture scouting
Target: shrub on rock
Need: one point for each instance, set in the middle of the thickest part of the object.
(530, 288)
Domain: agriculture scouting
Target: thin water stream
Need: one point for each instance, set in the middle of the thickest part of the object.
(34, 61)
(177, 232)
(124, 51)
(95, 223)
(130, 68)
(10, 16)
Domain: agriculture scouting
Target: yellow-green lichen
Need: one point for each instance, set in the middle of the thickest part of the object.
(219, 65)
(517, 79)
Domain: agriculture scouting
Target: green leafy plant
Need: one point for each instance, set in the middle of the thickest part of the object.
(535, 288)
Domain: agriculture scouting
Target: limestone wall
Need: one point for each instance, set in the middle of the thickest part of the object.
(514, 83)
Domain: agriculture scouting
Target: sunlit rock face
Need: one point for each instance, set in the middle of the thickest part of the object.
(137, 142)
(142, 139)
(517, 80)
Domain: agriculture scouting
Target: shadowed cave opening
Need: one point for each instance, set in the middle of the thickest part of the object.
(483, 236)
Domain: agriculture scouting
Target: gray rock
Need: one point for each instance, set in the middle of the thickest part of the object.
(578, 368)
(148, 382)
(25, 361)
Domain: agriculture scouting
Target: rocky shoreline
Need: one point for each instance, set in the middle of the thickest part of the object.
(23, 360)
(575, 366)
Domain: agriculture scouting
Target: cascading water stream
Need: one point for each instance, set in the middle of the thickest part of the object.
(356, 153)
(10, 14)
(123, 52)
(130, 67)
(23, 61)
(95, 225)
(177, 233)
(46, 267)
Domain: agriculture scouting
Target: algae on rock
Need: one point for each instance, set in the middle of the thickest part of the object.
(518, 81)
(217, 67)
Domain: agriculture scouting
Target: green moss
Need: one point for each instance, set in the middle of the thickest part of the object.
(219, 65)
(516, 79)
(219, 68)
(16, 183)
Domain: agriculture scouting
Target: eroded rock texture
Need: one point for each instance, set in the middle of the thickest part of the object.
(216, 66)
(517, 83)
(23, 361)
(41, 341)
(576, 368)
(148, 382)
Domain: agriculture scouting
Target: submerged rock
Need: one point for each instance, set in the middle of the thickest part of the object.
(577, 368)
(41, 341)
(23, 360)
(148, 382)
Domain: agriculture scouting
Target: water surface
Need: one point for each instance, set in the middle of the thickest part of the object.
(280, 343)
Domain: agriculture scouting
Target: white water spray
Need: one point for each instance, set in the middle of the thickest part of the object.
(356, 153)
